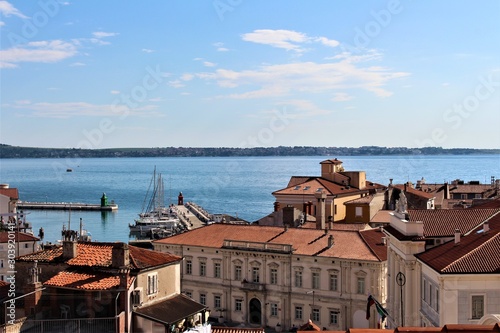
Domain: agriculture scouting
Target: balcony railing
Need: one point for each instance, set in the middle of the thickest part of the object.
(257, 246)
(253, 286)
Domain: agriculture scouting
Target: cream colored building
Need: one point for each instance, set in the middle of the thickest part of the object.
(338, 186)
(420, 290)
(264, 276)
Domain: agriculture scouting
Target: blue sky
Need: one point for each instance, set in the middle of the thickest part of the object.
(240, 73)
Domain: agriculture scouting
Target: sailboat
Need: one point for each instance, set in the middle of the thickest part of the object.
(154, 213)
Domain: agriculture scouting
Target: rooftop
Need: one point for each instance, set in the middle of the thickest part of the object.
(347, 244)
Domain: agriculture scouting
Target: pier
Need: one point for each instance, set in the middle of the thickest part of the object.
(66, 206)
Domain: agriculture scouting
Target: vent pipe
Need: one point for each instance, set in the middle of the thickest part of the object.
(457, 236)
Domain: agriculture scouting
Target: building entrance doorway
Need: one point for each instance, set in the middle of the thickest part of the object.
(255, 311)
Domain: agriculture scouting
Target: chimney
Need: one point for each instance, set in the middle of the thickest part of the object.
(70, 249)
(446, 190)
(457, 236)
(120, 255)
(390, 182)
(330, 241)
(486, 226)
(320, 210)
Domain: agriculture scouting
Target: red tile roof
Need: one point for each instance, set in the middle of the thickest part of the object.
(312, 242)
(414, 191)
(98, 254)
(367, 199)
(443, 222)
(382, 216)
(216, 329)
(454, 328)
(85, 281)
(374, 239)
(12, 193)
(335, 161)
(19, 236)
(477, 252)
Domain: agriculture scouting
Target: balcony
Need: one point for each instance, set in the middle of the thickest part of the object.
(252, 286)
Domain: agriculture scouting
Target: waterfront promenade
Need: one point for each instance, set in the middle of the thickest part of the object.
(65, 206)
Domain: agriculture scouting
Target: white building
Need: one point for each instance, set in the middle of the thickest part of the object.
(421, 290)
(264, 275)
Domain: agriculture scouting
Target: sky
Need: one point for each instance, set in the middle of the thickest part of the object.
(240, 73)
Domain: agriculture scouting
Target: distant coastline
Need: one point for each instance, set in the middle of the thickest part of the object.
(8, 151)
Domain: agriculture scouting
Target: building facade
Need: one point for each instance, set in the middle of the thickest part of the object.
(261, 275)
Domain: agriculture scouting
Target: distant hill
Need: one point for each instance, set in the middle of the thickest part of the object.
(7, 151)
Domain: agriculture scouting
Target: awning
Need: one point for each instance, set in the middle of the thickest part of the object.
(171, 310)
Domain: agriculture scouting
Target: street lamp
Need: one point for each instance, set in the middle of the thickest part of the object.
(401, 280)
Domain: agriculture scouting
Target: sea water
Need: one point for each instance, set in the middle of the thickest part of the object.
(238, 186)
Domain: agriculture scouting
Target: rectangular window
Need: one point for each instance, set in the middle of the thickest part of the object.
(359, 211)
(334, 317)
(298, 313)
(189, 267)
(217, 302)
(463, 196)
(424, 290)
(477, 306)
(334, 282)
(315, 315)
(315, 280)
(1, 263)
(298, 279)
(274, 276)
(152, 283)
(203, 299)
(237, 304)
(217, 270)
(335, 210)
(430, 295)
(203, 268)
(255, 275)
(237, 273)
(274, 309)
(189, 294)
(361, 285)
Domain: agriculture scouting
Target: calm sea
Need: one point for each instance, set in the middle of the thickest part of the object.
(237, 186)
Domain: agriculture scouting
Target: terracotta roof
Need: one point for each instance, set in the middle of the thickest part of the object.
(171, 310)
(12, 193)
(443, 222)
(453, 328)
(85, 281)
(312, 242)
(476, 252)
(20, 237)
(487, 203)
(309, 326)
(315, 184)
(335, 161)
(411, 190)
(382, 216)
(367, 199)
(98, 254)
(374, 239)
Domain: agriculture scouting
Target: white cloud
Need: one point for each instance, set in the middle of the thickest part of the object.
(82, 109)
(209, 64)
(286, 39)
(147, 50)
(187, 77)
(305, 108)
(41, 51)
(2, 23)
(308, 77)
(78, 64)
(328, 42)
(7, 9)
(102, 34)
(176, 84)
(220, 47)
(115, 92)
